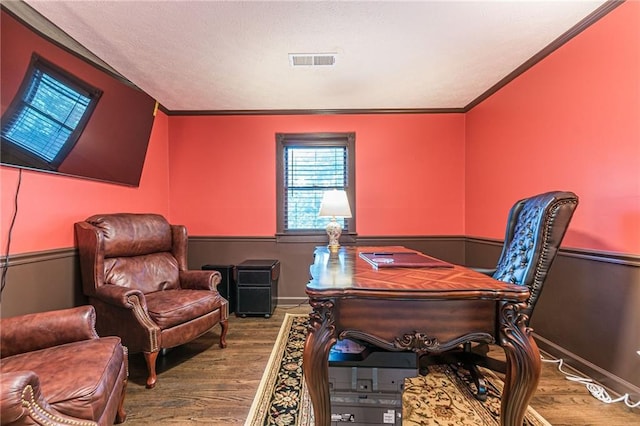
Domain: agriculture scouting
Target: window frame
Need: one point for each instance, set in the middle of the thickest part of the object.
(284, 140)
(23, 157)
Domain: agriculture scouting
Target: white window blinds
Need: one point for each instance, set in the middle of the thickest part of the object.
(309, 171)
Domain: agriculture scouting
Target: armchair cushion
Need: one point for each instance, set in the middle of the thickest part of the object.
(82, 389)
(126, 237)
(173, 307)
(147, 273)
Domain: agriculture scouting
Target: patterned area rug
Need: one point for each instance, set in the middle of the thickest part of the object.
(442, 397)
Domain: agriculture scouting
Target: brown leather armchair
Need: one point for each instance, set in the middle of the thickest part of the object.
(134, 272)
(41, 381)
(535, 228)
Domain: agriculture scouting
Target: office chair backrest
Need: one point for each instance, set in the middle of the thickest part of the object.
(535, 228)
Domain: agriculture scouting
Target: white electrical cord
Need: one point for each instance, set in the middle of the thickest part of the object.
(595, 389)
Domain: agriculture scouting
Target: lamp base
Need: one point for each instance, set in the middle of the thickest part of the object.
(334, 249)
(334, 230)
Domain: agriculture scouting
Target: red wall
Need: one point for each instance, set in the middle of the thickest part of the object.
(98, 151)
(572, 122)
(409, 172)
(49, 205)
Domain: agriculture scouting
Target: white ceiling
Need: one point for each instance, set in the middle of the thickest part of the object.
(233, 55)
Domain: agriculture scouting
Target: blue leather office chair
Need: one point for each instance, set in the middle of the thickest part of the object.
(535, 229)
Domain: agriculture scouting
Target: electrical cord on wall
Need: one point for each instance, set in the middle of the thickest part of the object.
(596, 390)
(5, 267)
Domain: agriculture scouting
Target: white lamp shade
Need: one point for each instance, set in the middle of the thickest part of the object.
(335, 204)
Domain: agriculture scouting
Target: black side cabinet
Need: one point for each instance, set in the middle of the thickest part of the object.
(227, 286)
(257, 285)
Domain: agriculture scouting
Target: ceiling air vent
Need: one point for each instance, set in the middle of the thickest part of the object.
(312, 59)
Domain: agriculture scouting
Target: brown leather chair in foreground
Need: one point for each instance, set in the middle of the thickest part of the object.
(535, 229)
(134, 271)
(57, 371)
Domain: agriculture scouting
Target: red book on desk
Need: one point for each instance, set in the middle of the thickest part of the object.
(403, 260)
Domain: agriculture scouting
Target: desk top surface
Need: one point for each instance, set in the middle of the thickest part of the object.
(346, 273)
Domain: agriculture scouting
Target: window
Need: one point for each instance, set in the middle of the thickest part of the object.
(47, 116)
(307, 165)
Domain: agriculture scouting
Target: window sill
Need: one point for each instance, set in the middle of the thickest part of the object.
(313, 238)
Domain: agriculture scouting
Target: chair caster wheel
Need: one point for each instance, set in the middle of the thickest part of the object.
(482, 397)
(482, 393)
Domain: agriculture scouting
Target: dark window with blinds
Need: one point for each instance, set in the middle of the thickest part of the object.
(47, 115)
(308, 165)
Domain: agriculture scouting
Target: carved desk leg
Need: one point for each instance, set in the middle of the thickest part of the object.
(315, 361)
(523, 365)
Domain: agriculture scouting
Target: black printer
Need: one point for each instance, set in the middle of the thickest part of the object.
(366, 383)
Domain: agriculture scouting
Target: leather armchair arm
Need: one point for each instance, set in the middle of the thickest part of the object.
(122, 297)
(21, 402)
(31, 332)
(200, 280)
(123, 312)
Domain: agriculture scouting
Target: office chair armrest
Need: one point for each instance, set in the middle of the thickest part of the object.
(485, 271)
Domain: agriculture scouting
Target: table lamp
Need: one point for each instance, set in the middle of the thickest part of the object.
(334, 204)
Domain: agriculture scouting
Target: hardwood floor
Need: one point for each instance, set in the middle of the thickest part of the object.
(201, 383)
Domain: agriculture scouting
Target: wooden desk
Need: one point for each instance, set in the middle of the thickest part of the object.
(417, 309)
